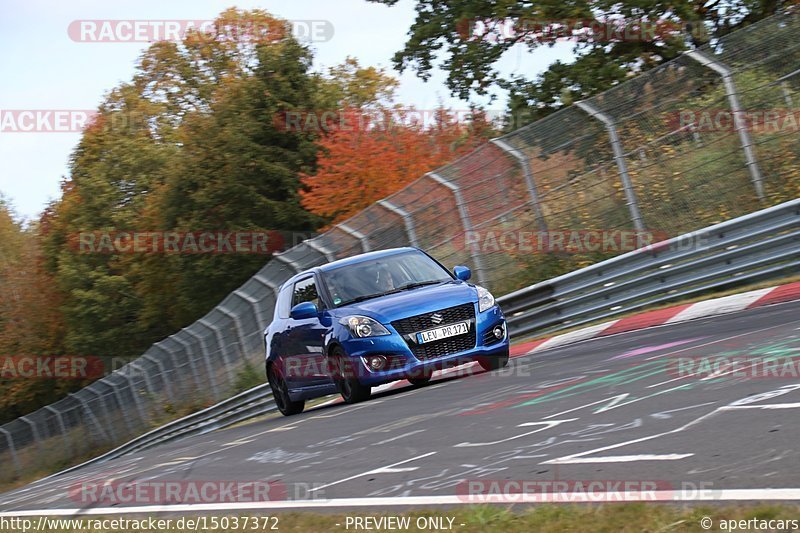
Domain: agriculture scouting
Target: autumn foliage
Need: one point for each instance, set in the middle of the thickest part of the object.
(363, 160)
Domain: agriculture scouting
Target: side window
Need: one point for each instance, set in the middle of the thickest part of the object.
(284, 302)
(305, 291)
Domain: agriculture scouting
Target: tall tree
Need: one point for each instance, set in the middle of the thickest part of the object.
(470, 36)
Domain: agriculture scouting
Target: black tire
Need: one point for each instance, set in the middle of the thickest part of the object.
(495, 362)
(347, 383)
(422, 379)
(280, 393)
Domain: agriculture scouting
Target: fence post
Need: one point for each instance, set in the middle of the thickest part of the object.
(239, 329)
(256, 308)
(357, 234)
(164, 377)
(231, 372)
(619, 158)
(285, 260)
(212, 379)
(465, 221)
(112, 435)
(136, 399)
(529, 181)
(738, 120)
(190, 362)
(13, 451)
(175, 364)
(329, 255)
(34, 431)
(411, 229)
(61, 425)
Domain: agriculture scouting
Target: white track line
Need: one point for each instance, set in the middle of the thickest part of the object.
(451, 499)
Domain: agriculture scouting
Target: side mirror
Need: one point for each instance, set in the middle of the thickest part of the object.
(463, 273)
(303, 310)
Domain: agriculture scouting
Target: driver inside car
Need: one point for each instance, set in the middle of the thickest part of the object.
(383, 279)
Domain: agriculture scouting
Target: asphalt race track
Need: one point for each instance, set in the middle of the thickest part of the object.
(611, 409)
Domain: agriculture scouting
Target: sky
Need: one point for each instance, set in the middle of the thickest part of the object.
(42, 68)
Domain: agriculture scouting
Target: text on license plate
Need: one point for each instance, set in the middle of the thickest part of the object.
(450, 330)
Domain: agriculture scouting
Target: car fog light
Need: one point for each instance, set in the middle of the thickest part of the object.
(376, 362)
(498, 332)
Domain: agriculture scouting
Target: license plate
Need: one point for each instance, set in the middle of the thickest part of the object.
(450, 330)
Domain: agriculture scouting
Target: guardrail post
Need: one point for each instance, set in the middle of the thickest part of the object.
(164, 377)
(357, 234)
(619, 158)
(411, 229)
(465, 221)
(12, 450)
(61, 425)
(738, 120)
(529, 181)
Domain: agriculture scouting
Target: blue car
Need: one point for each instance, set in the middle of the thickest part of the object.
(374, 318)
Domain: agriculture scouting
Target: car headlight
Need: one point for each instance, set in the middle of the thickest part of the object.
(485, 299)
(364, 326)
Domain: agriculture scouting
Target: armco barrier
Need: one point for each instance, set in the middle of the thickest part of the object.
(762, 245)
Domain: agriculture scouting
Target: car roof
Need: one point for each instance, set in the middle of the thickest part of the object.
(355, 259)
(365, 257)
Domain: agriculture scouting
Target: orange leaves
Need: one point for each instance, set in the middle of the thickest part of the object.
(361, 162)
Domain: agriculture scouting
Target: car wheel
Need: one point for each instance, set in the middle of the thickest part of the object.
(347, 383)
(494, 363)
(280, 393)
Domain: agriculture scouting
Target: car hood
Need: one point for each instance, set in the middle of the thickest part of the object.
(412, 302)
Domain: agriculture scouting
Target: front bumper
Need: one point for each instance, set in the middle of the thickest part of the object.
(405, 365)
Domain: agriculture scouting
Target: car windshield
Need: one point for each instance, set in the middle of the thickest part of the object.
(385, 275)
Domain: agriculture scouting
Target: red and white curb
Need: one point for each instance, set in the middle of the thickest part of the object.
(670, 315)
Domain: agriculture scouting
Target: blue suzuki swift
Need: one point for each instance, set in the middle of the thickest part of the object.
(373, 318)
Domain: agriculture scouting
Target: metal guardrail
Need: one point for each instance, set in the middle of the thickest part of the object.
(244, 406)
(760, 245)
(757, 246)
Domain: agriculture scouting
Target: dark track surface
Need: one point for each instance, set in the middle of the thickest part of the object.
(607, 409)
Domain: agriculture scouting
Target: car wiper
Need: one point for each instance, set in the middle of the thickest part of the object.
(364, 297)
(393, 291)
(419, 284)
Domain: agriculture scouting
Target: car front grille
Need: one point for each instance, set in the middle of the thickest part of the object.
(407, 327)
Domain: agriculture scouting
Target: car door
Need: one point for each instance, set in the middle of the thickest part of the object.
(304, 340)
